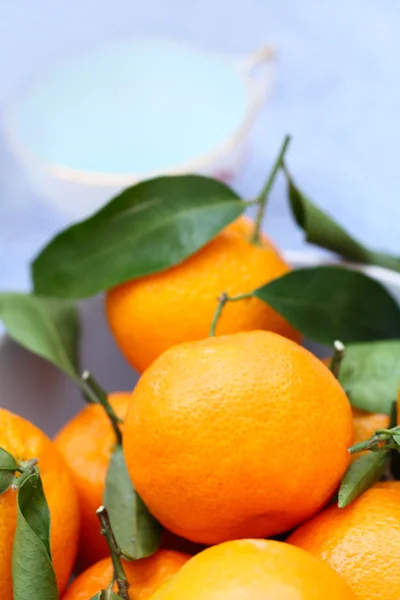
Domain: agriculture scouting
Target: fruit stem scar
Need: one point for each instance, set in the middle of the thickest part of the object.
(222, 300)
(338, 355)
(262, 198)
(26, 469)
(119, 573)
(95, 390)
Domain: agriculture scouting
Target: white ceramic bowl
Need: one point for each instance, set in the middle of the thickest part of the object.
(36, 390)
(132, 110)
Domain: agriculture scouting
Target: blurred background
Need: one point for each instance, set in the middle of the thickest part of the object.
(336, 90)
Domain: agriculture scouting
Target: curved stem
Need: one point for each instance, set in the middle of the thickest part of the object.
(119, 573)
(262, 198)
(94, 388)
(222, 300)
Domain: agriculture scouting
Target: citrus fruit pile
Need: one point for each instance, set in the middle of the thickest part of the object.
(242, 466)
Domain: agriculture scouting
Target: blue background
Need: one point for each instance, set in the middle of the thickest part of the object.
(337, 93)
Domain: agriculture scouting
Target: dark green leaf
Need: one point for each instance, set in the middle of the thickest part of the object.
(149, 227)
(32, 571)
(323, 231)
(366, 470)
(45, 326)
(137, 532)
(328, 303)
(106, 595)
(370, 373)
(8, 466)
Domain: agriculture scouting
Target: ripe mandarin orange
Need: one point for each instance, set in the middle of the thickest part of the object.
(244, 434)
(25, 441)
(86, 443)
(364, 423)
(153, 313)
(361, 541)
(255, 570)
(145, 576)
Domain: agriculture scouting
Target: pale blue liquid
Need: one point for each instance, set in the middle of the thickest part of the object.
(132, 107)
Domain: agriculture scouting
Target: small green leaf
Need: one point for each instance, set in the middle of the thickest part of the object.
(322, 230)
(361, 474)
(137, 532)
(32, 570)
(370, 373)
(106, 595)
(8, 466)
(396, 438)
(150, 227)
(329, 303)
(45, 326)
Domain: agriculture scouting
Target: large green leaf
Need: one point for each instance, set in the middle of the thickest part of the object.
(137, 532)
(366, 470)
(149, 227)
(46, 326)
(8, 466)
(370, 373)
(328, 303)
(322, 230)
(32, 570)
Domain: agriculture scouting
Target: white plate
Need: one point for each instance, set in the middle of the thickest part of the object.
(33, 388)
(132, 110)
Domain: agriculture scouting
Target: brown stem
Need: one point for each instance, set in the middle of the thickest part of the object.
(119, 573)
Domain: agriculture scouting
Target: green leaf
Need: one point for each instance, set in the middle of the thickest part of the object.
(370, 373)
(106, 595)
(137, 532)
(361, 474)
(32, 571)
(329, 303)
(322, 230)
(8, 466)
(396, 438)
(45, 326)
(148, 228)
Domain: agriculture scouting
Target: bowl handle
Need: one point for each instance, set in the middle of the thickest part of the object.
(258, 69)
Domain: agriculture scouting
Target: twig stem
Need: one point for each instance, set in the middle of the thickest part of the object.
(119, 573)
(338, 355)
(97, 391)
(222, 300)
(263, 196)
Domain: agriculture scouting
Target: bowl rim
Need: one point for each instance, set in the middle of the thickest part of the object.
(244, 67)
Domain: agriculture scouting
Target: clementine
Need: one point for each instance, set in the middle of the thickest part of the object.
(364, 423)
(144, 576)
(25, 441)
(361, 541)
(244, 434)
(153, 313)
(86, 443)
(255, 570)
